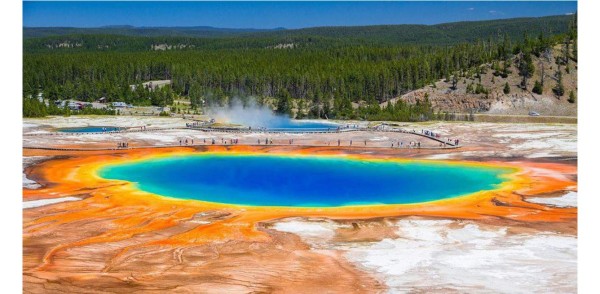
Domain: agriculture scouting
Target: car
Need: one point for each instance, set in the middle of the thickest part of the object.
(533, 113)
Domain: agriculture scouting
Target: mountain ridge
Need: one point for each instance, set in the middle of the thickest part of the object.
(381, 33)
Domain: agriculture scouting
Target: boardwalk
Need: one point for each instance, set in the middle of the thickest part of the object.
(278, 142)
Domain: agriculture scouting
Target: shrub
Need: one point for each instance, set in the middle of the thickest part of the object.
(506, 88)
(537, 88)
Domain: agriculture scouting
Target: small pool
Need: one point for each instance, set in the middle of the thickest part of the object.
(300, 124)
(289, 125)
(303, 181)
(90, 129)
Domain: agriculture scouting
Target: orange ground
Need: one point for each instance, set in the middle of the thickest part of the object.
(126, 213)
(76, 176)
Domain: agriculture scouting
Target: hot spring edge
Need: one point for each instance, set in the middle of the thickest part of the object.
(304, 181)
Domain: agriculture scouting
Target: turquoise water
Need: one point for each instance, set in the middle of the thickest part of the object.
(267, 180)
(90, 129)
(299, 125)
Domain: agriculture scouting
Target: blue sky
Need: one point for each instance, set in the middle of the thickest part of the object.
(278, 14)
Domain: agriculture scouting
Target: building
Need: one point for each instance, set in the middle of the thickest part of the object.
(119, 104)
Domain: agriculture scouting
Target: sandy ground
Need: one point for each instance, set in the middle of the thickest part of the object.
(302, 254)
(453, 256)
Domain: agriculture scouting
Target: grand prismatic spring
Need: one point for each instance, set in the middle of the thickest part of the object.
(303, 181)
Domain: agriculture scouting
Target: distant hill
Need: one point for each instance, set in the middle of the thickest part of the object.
(126, 30)
(441, 34)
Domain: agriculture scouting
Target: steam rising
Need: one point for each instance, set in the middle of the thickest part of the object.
(251, 114)
(246, 112)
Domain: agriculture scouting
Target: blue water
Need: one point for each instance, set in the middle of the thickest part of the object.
(267, 180)
(91, 129)
(298, 124)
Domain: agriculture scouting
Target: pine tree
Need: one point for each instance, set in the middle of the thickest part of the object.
(572, 97)
(284, 102)
(506, 88)
(559, 89)
(537, 88)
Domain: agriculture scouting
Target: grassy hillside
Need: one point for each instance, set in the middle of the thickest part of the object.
(500, 94)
